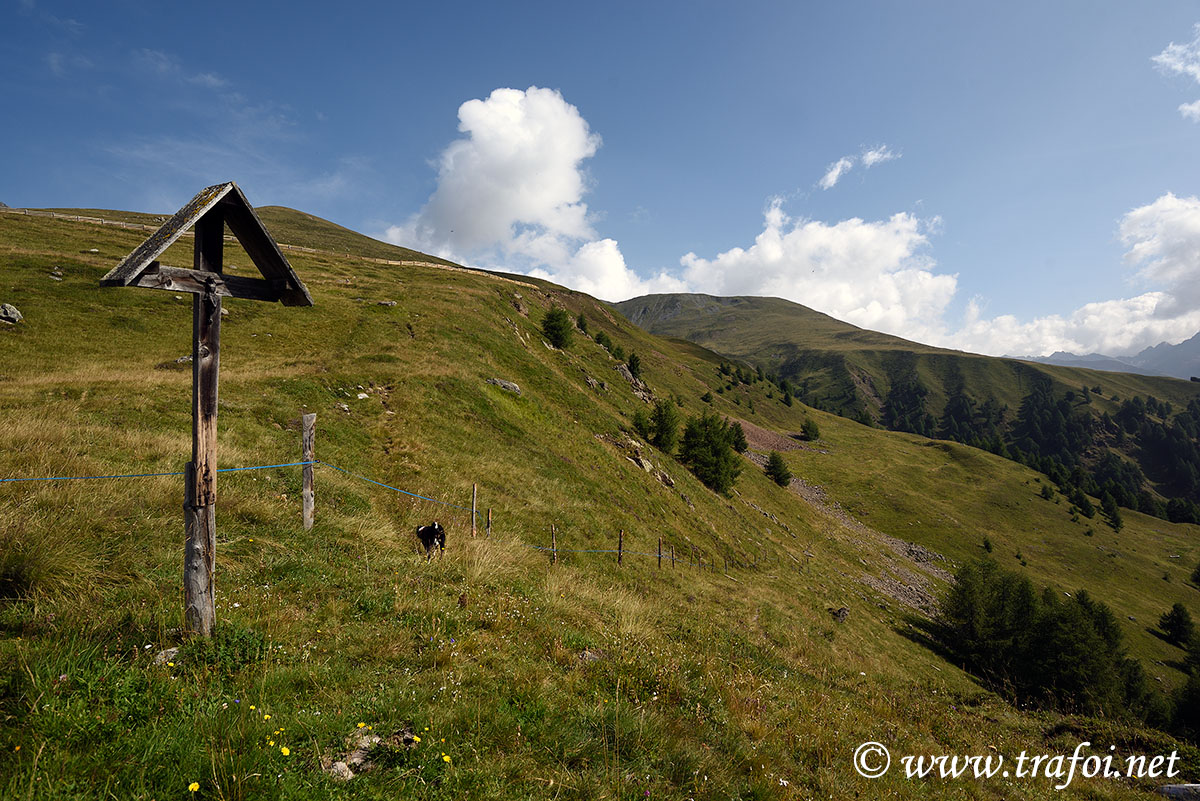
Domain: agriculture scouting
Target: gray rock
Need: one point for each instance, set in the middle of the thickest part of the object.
(1187, 791)
(9, 313)
(387, 303)
(507, 386)
(841, 614)
(3, 205)
(163, 657)
(340, 771)
(639, 386)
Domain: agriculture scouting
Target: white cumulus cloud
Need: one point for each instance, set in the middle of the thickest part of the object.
(510, 194)
(875, 274)
(1163, 244)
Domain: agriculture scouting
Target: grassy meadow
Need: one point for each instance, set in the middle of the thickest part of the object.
(521, 679)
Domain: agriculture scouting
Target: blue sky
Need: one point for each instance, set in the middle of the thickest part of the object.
(1031, 185)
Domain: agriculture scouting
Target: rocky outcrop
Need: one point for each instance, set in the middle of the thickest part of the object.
(507, 386)
(10, 314)
(638, 385)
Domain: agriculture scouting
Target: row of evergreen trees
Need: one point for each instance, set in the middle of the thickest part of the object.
(1054, 435)
(1064, 652)
(1043, 648)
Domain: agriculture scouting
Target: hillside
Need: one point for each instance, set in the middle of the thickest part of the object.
(1087, 429)
(522, 679)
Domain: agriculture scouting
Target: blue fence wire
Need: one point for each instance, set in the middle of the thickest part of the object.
(397, 489)
(318, 462)
(150, 475)
(238, 469)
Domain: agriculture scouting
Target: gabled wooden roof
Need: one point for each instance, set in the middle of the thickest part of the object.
(141, 268)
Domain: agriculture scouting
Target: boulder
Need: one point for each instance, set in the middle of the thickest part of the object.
(507, 386)
(10, 314)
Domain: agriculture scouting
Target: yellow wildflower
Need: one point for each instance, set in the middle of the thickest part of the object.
(266, 717)
(170, 664)
(445, 758)
(193, 787)
(285, 750)
(360, 725)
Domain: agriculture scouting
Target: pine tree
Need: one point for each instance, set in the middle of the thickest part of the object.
(738, 437)
(777, 470)
(642, 425)
(665, 424)
(581, 323)
(635, 365)
(706, 451)
(1177, 625)
(556, 327)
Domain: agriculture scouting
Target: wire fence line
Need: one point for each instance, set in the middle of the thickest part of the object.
(315, 462)
(685, 559)
(151, 475)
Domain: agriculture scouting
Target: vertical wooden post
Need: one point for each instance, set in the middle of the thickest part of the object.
(672, 557)
(660, 553)
(620, 546)
(199, 505)
(307, 454)
(489, 523)
(474, 495)
(553, 545)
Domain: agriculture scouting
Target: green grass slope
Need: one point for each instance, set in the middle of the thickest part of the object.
(522, 679)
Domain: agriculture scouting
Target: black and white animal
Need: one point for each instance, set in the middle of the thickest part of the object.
(432, 536)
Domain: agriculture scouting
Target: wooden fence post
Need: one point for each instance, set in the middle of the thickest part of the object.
(489, 523)
(307, 454)
(474, 494)
(620, 546)
(200, 518)
(660, 553)
(672, 557)
(553, 545)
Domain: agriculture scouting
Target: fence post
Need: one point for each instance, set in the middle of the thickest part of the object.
(307, 454)
(553, 545)
(660, 553)
(672, 557)
(474, 494)
(620, 546)
(489, 523)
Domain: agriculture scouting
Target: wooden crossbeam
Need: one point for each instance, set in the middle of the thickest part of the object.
(178, 279)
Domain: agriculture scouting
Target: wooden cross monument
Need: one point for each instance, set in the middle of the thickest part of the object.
(209, 212)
